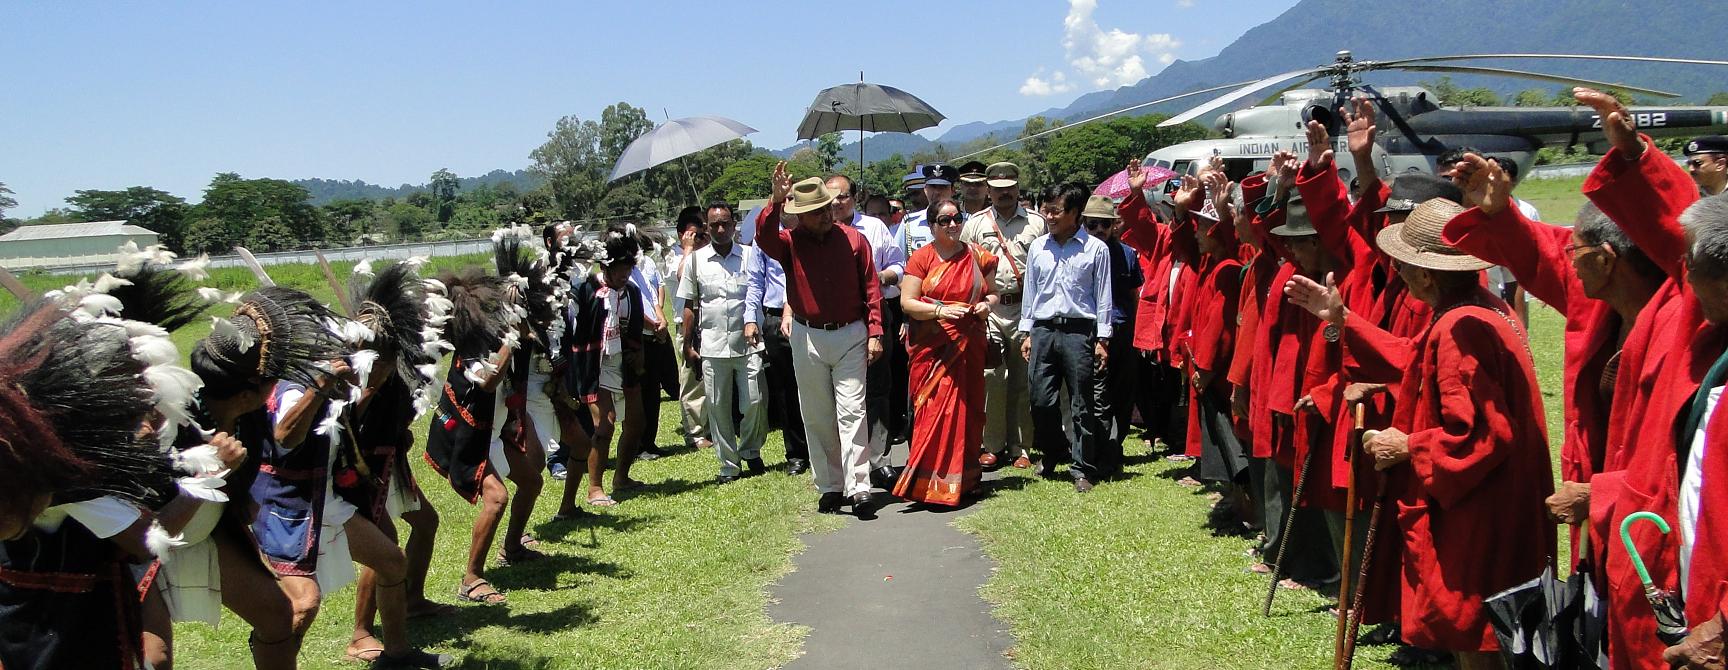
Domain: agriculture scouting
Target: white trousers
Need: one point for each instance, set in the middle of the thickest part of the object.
(830, 368)
(725, 380)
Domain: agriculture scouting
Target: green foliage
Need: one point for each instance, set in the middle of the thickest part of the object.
(6, 199)
(1450, 94)
(828, 151)
(1092, 152)
(1532, 97)
(1719, 99)
(444, 185)
(270, 213)
(160, 211)
(348, 219)
(406, 221)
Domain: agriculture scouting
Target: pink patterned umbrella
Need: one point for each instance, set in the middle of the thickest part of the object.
(1117, 185)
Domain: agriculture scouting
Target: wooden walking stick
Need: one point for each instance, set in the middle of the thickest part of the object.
(1345, 605)
(1284, 538)
(1355, 618)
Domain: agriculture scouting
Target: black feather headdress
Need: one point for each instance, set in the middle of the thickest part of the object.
(158, 294)
(528, 269)
(276, 333)
(72, 402)
(481, 318)
(393, 303)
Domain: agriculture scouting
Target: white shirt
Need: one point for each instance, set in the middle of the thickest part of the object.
(104, 517)
(717, 284)
(884, 249)
(1692, 486)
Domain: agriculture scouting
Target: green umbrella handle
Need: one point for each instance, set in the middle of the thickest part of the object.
(1632, 550)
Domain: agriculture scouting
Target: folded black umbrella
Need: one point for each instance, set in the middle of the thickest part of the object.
(1550, 622)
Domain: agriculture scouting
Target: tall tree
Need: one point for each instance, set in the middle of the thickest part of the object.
(828, 151)
(444, 185)
(7, 202)
(570, 162)
(160, 211)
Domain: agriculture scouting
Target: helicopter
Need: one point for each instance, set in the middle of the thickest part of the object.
(1415, 126)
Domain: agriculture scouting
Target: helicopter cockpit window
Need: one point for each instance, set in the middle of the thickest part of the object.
(1162, 163)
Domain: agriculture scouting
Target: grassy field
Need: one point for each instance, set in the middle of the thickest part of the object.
(677, 576)
(1557, 199)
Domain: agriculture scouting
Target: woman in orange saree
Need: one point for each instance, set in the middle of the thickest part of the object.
(946, 297)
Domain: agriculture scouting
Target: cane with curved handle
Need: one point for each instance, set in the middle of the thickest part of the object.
(1666, 605)
(1632, 549)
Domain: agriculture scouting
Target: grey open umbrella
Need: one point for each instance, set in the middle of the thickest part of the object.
(866, 108)
(676, 139)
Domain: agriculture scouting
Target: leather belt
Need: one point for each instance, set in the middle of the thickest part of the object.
(1008, 300)
(774, 311)
(821, 326)
(1067, 324)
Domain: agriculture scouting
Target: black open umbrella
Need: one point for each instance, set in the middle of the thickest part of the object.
(866, 108)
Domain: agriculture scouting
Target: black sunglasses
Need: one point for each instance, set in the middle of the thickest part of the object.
(946, 219)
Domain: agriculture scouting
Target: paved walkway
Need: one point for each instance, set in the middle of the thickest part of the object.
(897, 591)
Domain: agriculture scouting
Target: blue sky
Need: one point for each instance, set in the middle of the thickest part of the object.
(111, 95)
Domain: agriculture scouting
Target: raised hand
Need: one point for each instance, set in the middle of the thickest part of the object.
(1319, 146)
(782, 182)
(1219, 184)
(1616, 123)
(1188, 194)
(1321, 301)
(1359, 133)
(1282, 171)
(1484, 183)
(1136, 177)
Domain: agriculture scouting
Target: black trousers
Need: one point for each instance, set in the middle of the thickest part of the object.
(783, 388)
(899, 382)
(1162, 395)
(661, 377)
(1062, 358)
(1112, 396)
(884, 407)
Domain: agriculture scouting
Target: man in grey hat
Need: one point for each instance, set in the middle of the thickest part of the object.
(834, 294)
(1006, 230)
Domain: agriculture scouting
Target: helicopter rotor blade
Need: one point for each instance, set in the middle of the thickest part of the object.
(1276, 94)
(1575, 81)
(1178, 96)
(1640, 59)
(1238, 94)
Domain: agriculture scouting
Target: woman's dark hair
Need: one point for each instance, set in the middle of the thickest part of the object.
(1593, 228)
(224, 378)
(689, 216)
(1071, 195)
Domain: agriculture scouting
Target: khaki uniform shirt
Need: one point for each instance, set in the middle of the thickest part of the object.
(1009, 240)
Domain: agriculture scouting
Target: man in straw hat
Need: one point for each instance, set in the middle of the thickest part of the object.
(1469, 428)
(1113, 386)
(833, 292)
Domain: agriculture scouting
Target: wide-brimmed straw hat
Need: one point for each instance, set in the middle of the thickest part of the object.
(1417, 240)
(809, 195)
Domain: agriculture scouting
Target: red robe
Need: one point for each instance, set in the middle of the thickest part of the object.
(1217, 288)
(1537, 255)
(1645, 197)
(1260, 267)
(1472, 518)
(1150, 241)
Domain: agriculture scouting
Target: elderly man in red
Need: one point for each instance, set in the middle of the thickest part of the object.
(1154, 313)
(1468, 428)
(1651, 422)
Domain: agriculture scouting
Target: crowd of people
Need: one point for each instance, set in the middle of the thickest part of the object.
(1329, 357)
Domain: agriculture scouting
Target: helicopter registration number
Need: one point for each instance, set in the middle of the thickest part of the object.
(1641, 120)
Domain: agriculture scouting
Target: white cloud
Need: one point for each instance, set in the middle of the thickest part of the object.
(1037, 86)
(1102, 58)
(1184, 4)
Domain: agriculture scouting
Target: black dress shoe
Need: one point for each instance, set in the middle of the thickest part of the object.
(861, 502)
(797, 466)
(725, 479)
(884, 477)
(755, 466)
(830, 502)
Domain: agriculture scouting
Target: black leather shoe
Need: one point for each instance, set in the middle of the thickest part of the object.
(862, 503)
(755, 466)
(725, 479)
(830, 502)
(797, 466)
(884, 477)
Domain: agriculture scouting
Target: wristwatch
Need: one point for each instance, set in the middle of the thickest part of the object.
(1331, 332)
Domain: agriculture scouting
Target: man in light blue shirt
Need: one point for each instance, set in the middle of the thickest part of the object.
(1066, 310)
(765, 321)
